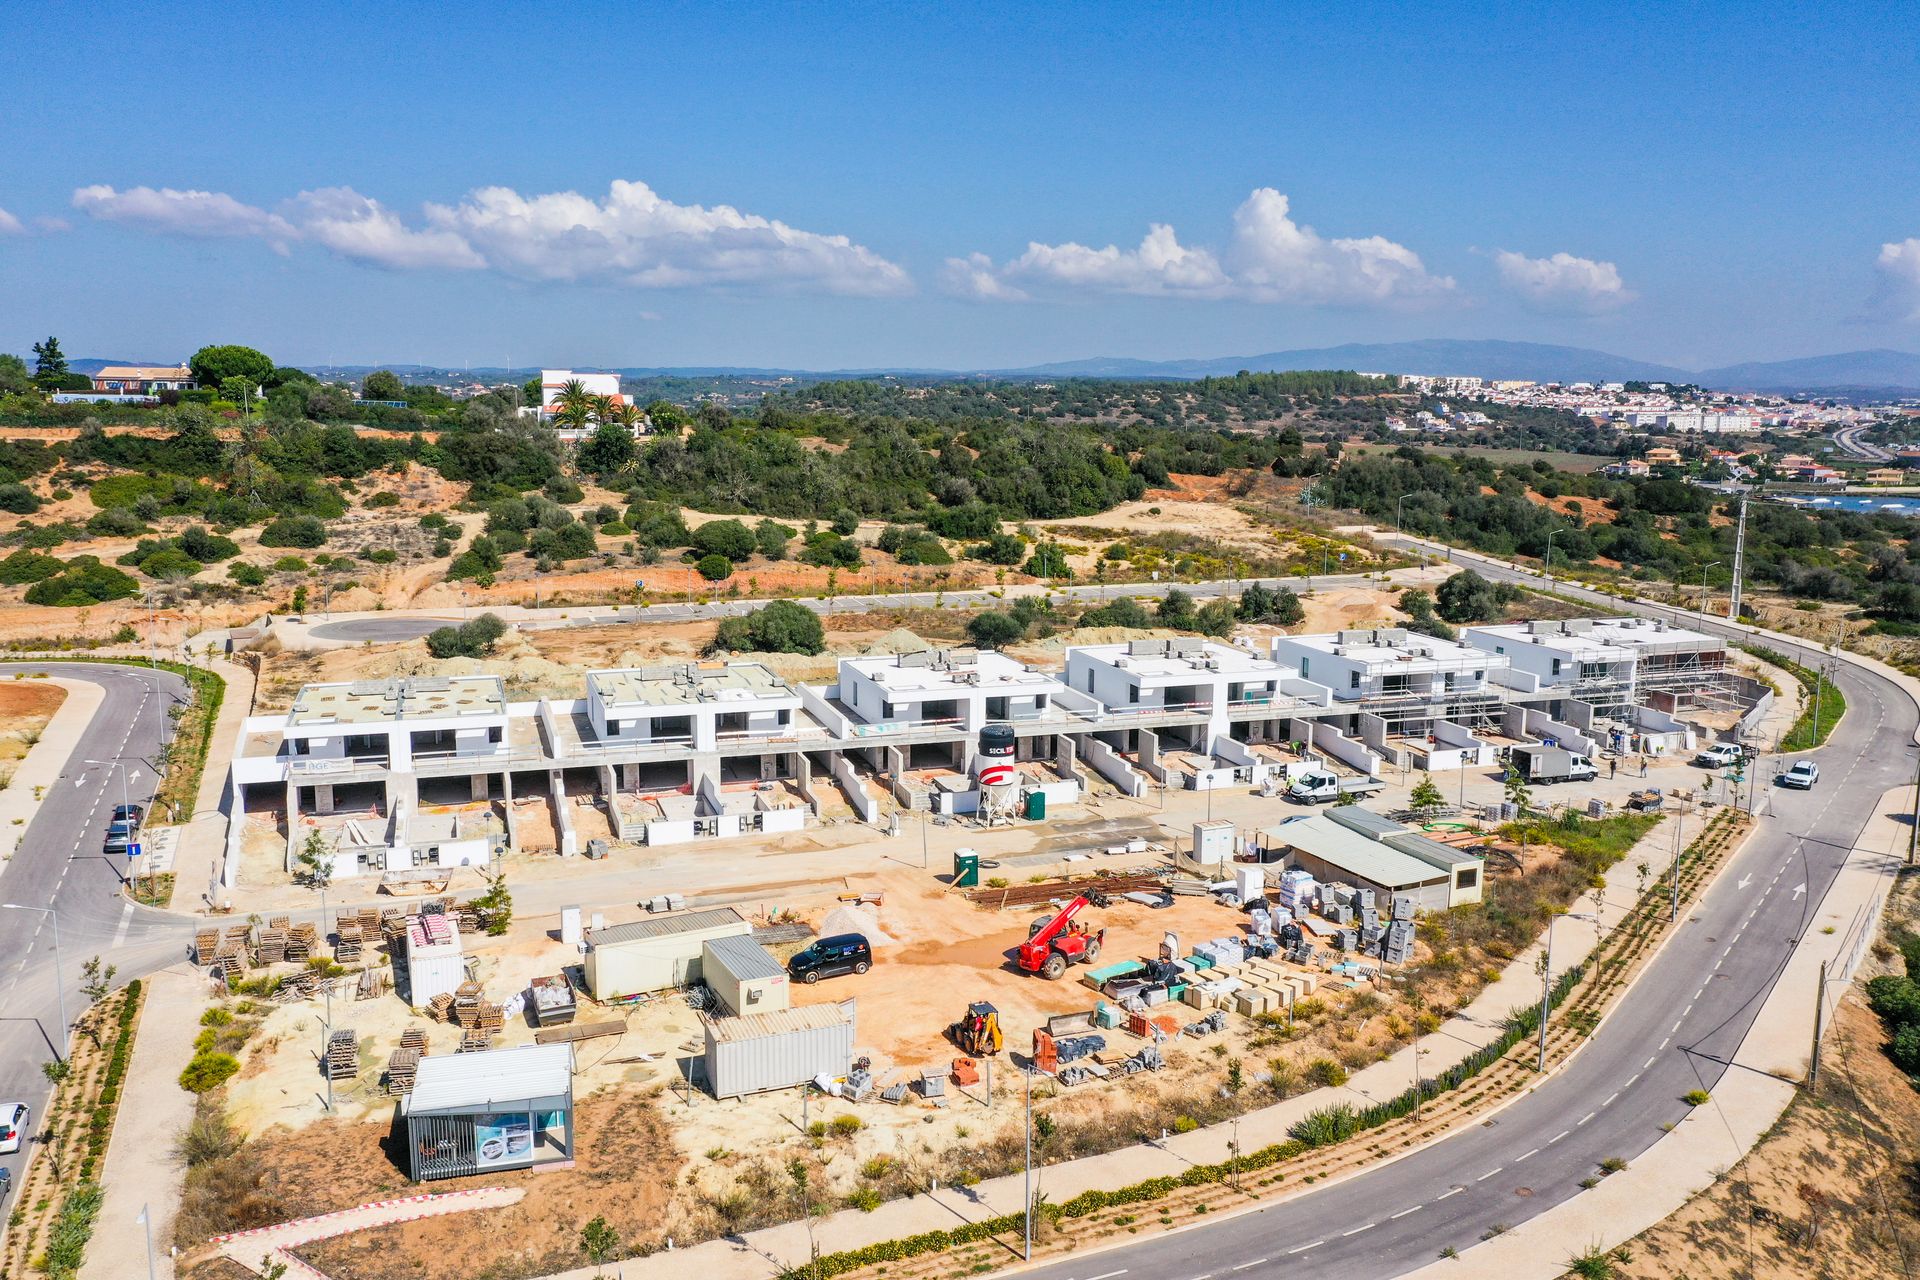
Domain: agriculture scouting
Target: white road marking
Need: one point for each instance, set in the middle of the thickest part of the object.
(1610, 1098)
(1634, 1079)
(1651, 1059)
(1666, 1042)
(1243, 1266)
(126, 919)
(1530, 1155)
(1303, 1248)
(1583, 1119)
(1108, 1275)
(1404, 1212)
(1489, 1173)
(1357, 1230)
(1799, 889)
(1456, 1191)
(1556, 1137)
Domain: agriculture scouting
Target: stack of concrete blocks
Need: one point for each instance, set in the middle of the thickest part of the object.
(1398, 944)
(1297, 891)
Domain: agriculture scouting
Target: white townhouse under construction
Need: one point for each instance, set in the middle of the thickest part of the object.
(398, 777)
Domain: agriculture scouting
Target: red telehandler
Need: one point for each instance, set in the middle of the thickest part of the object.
(1059, 942)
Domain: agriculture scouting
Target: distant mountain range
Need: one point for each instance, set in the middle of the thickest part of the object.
(1853, 373)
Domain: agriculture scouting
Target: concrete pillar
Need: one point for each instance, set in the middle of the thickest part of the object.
(481, 785)
(323, 797)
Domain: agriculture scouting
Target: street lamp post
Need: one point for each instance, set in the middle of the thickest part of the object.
(1027, 1251)
(1703, 589)
(1546, 979)
(1547, 569)
(59, 990)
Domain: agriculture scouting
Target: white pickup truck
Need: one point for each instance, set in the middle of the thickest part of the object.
(1319, 787)
(1721, 755)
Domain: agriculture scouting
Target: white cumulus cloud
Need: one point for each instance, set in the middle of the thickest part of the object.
(1898, 294)
(974, 277)
(631, 237)
(10, 225)
(1267, 258)
(1563, 282)
(205, 214)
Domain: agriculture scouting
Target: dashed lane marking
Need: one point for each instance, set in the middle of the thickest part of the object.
(1404, 1212)
(1530, 1155)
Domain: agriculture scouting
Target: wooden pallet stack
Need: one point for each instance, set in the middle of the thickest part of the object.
(282, 923)
(343, 1055)
(401, 1066)
(303, 940)
(466, 1003)
(468, 918)
(414, 1038)
(346, 949)
(474, 1040)
(206, 945)
(440, 1008)
(270, 947)
(371, 984)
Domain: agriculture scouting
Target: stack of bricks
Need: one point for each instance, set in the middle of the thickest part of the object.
(343, 1055)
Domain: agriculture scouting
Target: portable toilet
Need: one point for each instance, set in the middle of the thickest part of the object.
(966, 869)
(1036, 806)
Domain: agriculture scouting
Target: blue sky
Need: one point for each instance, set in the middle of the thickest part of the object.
(829, 186)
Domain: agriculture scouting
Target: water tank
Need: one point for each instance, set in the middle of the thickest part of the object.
(996, 755)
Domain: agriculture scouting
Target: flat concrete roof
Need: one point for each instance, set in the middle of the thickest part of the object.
(688, 684)
(1179, 658)
(390, 701)
(1393, 647)
(948, 671)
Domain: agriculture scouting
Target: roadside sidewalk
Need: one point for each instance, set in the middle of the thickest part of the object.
(203, 833)
(763, 1253)
(1746, 1101)
(140, 1170)
(46, 760)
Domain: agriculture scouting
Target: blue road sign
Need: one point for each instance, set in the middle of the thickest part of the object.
(133, 850)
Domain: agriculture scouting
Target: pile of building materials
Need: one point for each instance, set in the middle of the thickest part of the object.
(435, 964)
(553, 1000)
(1097, 890)
(402, 1065)
(346, 946)
(302, 941)
(343, 1055)
(269, 946)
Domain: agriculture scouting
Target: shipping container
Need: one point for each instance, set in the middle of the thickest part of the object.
(744, 975)
(657, 954)
(778, 1050)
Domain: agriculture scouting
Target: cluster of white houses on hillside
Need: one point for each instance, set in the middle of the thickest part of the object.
(399, 775)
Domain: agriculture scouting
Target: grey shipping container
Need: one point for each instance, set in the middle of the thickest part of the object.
(765, 1051)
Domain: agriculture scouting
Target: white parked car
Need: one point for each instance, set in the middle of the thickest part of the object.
(13, 1126)
(1802, 776)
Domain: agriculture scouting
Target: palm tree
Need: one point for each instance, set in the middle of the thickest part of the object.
(574, 416)
(626, 414)
(574, 396)
(602, 408)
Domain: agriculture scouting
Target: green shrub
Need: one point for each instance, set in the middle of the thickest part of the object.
(846, 1126)
(714, 568)
(294, 531)
(208, 1071)
(246, 575)
(779, 627)
(474, 639)
(85, 581)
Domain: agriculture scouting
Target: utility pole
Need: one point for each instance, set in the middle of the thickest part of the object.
(1819, 1025)
(1027, 1075)
(1546, 991)
(1739, 561)
(1673, 870)
(1913, 831)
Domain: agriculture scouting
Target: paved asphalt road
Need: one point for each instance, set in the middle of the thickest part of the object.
(403, 626)
(378, 630)
(1672, 1033)
(1849, 441)
(60, 864)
